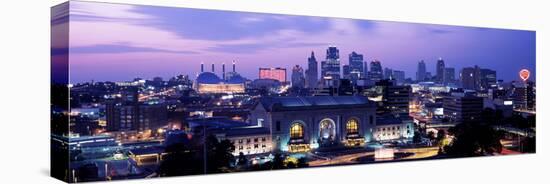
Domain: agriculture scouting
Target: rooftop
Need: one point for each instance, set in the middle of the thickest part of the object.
(241, 131)
(280, 103)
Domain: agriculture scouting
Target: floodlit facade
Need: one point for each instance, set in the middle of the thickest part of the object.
(393, 129)
(209, 82)
(273, 73)
(248, 140)
(299, 124)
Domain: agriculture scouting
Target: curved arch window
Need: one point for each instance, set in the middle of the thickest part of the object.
(352, 126)
(327, 129)
(296, 131)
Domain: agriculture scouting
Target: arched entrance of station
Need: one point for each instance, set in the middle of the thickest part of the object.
(352, 133)
(297, 142)
(327, 132)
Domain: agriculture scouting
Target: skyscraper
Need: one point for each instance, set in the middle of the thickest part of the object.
(365, 69)
(297, 77)
(461, 107)
(449, 75)
(311, 72)
(440, 71)
(223, 71)
(375, 73)
(470, 78)
(330, 68)
(421, 71)
(388, 73)
(524, 95)
(488, 78)
(395, 98)
(399, 76)
(346, 72)
(356, 68)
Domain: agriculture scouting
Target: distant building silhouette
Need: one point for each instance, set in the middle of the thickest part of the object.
(330, 68)
(450, 76)
(312, 75)
(356, 68)
(440, 71)
(298, 79)
(375, 73)
(421, 71)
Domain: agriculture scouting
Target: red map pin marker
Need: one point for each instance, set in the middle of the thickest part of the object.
(524, 74)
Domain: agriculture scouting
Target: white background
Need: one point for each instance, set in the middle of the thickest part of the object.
(24, 90)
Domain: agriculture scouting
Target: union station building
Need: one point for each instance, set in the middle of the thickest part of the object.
(299, 124)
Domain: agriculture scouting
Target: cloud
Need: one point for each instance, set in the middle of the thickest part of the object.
(227, 25)
(107, 11)
(124, 34)
(103, 27)
(122, 49)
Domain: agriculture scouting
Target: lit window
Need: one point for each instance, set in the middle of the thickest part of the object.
(352, 126)
(296, 131)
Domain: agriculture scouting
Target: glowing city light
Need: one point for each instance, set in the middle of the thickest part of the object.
(524, 74)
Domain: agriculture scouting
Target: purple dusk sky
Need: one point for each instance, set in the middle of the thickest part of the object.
(117, 42)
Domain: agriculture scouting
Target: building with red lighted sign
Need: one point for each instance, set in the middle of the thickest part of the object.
(273, 73)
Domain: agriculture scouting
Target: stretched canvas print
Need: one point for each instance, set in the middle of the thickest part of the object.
(147, 91)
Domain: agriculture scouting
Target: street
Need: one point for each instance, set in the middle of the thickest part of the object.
(418, 153)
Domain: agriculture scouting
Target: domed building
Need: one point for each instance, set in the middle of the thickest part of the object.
(208, 78)
(209, 82)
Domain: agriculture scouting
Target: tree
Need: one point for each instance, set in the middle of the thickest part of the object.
(291, 165)
(499, 116)
(528, 145)
(531, 121)
(219, 154)
(242, 160)
(278, 161)
(180, 160)
(474, 139)
(441, 135)
(417, 138)
(488, 116)
(302, 162)
(517, 121)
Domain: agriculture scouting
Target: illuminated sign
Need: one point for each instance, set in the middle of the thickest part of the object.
(273, 73)
(508, 102)
(524, 74)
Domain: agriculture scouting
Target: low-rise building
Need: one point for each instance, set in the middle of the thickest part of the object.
(248, 140)
(389, 128)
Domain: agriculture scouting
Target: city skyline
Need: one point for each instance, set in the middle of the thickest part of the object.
(297, 92)
(257, 40)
